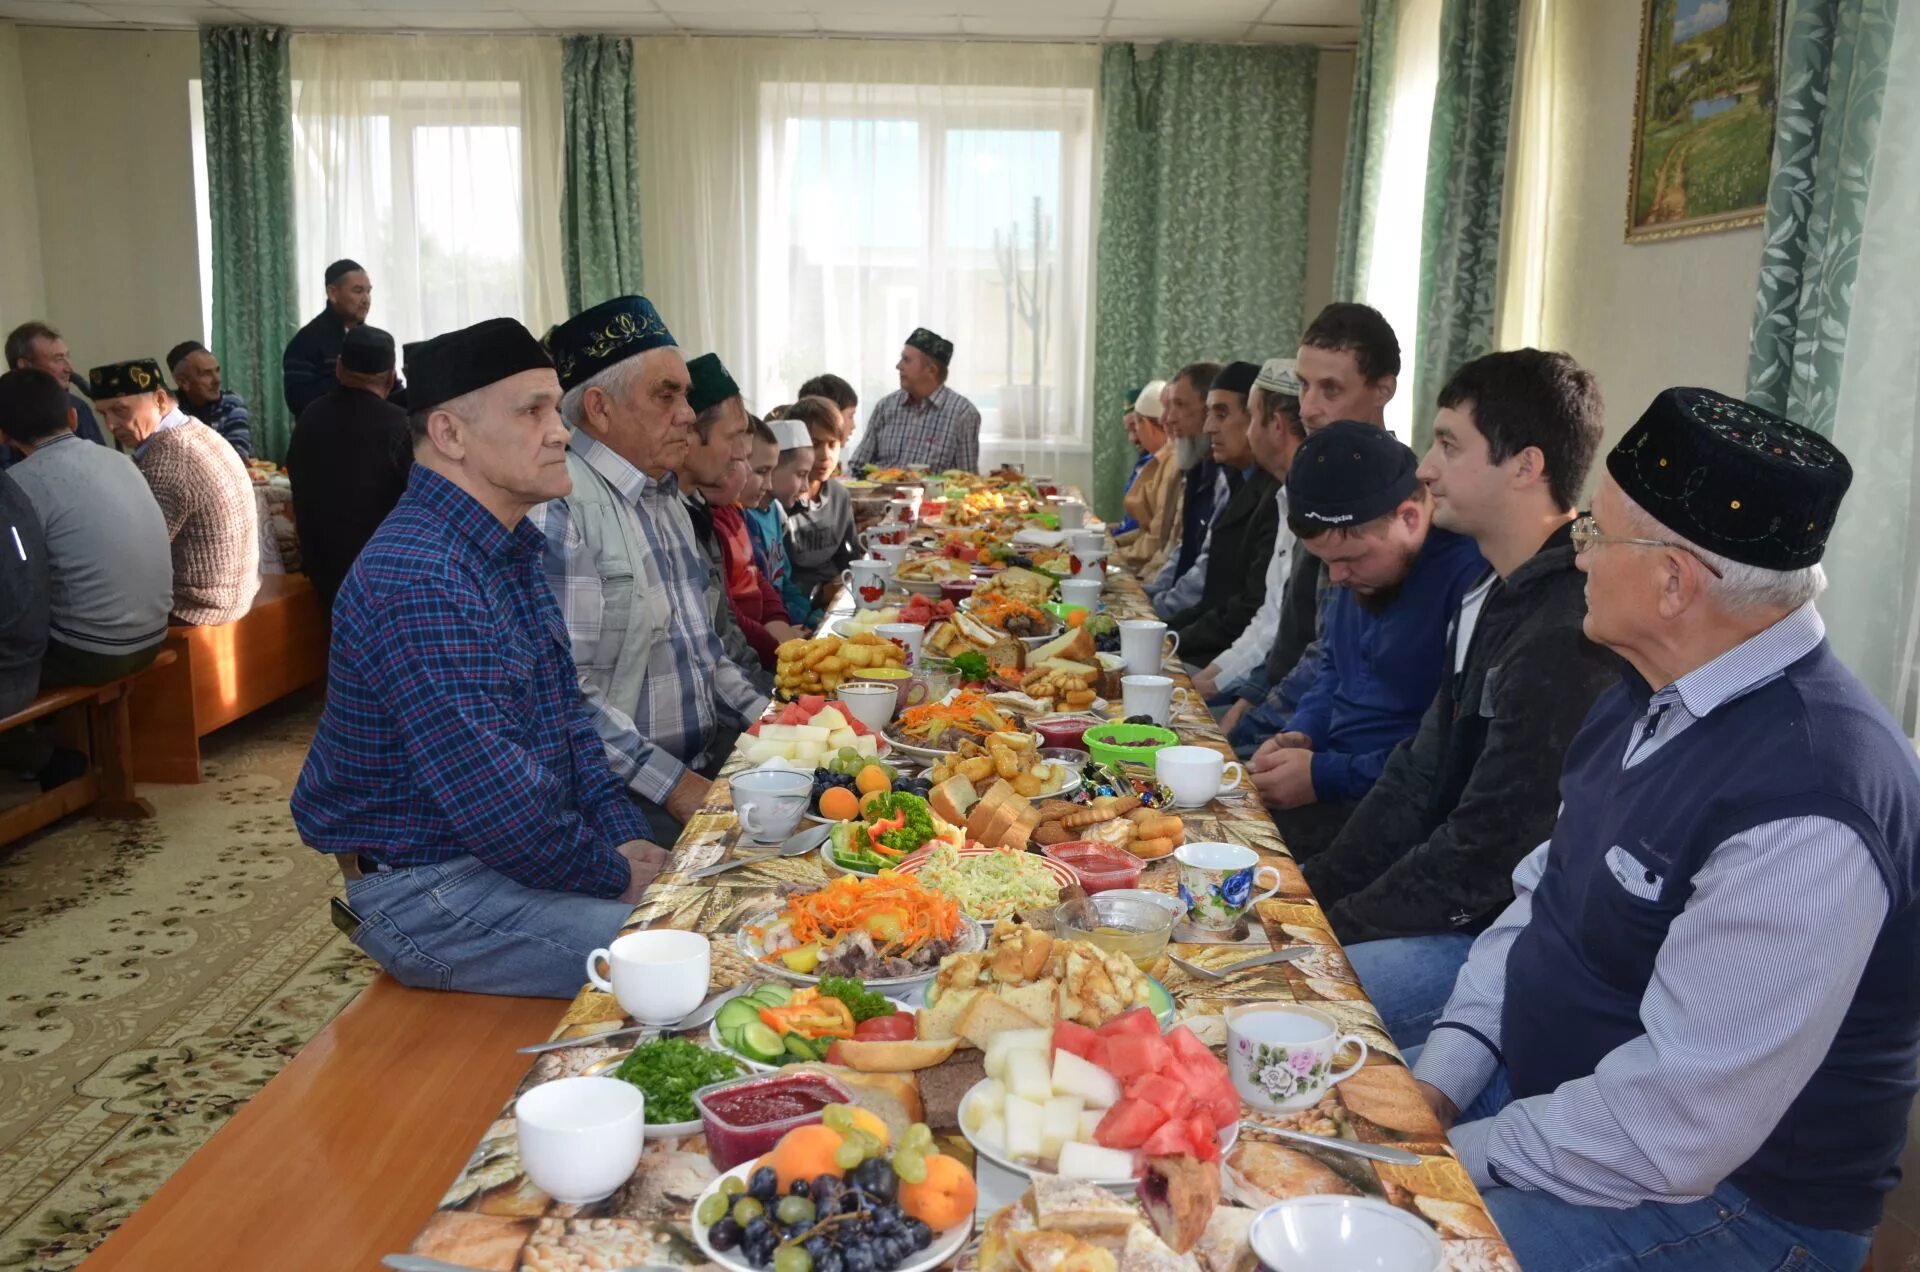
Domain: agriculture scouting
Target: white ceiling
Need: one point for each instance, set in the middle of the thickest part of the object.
(1260, 21)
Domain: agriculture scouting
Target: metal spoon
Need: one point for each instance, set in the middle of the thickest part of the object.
(798, 846)
(1372, 1152)
(700, 1015)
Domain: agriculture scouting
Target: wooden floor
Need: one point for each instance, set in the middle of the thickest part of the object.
(342, 1157)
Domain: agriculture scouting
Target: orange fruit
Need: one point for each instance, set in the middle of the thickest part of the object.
(803, 1153)
(872, 780)
(869, 801)
(1076, 617)
(945, 1197)
(837, 803)
(869, 1121)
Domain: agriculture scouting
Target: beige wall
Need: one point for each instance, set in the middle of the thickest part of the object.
(113, 166)
(1641, 316)
(23, 292)
(1332, 92)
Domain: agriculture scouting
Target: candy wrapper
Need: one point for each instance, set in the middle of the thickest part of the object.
(1098, 780)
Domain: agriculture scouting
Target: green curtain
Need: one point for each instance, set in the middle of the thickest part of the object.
(1833, 79)
(1466, 175)
(1203, 219)
(248, 100)
(600, 209)
(1366, 145)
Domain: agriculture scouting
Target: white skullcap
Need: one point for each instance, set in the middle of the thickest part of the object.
(1280, 375)
(1148, 403)
(791, 434)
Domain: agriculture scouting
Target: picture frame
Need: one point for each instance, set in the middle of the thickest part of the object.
(1703, 116)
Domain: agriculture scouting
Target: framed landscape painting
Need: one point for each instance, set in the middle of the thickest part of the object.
(1703, 116)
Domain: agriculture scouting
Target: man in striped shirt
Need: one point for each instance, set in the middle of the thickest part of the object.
(1690, 1042)
(924, 424)
(626, 565)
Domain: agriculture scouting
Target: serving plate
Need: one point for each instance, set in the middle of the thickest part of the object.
(932, 753)
(659, 1130)
(1060, 874)
(1030, 1170)
(945, 1245)
(971, 939)
(716, 1043)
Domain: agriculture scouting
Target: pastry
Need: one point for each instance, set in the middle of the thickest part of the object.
(1259, 1174)
(1179, 1195)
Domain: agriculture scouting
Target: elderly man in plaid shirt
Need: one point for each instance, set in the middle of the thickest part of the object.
(626, 566)
(924, 424)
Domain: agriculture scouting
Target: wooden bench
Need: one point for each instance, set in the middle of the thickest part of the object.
(107, 786)
(223, 673)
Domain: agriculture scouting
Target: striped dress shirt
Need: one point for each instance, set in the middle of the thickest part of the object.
(1749, 989)
(691, 689)
(937, 432)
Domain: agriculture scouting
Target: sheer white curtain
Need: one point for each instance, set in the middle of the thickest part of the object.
(1873, 607)
(1520, 299)
(435, 162)
(1392, 284)
(807, 204)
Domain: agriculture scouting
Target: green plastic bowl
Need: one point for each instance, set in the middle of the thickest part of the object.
(1100, 743)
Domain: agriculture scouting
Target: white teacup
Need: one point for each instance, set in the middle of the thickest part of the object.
(892, 553)
(1143, 643)
(1072, 513)
(658, 975)
(886, 532)
(1217, 882)
(903, 509)
(870, 704)
(580, 1138)
(867, 578)
(1195, 774)
(914, 497)
(1090, 565)
(1281, 1054)
(906, 635)
(770, 802)
(1082, 592)
(1083, 542)
(1152, 696)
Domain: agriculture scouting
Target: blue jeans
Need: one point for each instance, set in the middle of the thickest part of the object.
(1409, 979)
(1726, 1232)
(460, 925)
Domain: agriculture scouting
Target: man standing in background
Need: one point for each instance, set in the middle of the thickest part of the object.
(196, 373)
(923, 424)
(307, 366)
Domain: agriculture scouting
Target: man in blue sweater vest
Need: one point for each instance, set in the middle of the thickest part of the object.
(1690, 1041)
(1355, 499)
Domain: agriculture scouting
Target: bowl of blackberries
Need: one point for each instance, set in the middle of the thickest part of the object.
(868, 1217)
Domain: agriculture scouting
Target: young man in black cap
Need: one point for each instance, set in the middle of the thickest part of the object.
(1354, 499)
(307, 366)
(1691, 1038)
(196, 373)
(1425, 862)
(719, 439)
(348, 460)
(1228, 582)
(456, 775)
(924, 424)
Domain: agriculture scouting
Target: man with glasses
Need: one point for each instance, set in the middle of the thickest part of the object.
(1690, 1041)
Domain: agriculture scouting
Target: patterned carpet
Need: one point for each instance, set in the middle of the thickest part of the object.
(155, 975)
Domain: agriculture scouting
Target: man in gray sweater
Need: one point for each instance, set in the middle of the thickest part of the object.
(111, 572)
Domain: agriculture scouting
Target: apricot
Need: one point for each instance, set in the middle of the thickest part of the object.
(946, 1197)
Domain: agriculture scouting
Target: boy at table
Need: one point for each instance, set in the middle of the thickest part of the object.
(1690, 1041)
(456, 776)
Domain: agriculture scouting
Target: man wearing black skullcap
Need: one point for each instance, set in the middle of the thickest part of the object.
(456, 776)
(1694, 1030)
(1354, 497)
(307, 366)
(348, 460)
(1225, 588)
(923, 424)
(196, 373)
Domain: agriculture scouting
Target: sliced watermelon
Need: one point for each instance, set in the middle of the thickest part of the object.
(1222, 1103)
(1130, 1054)
(753, 730)
(1097, 1054)
(1200, 1134)
(1129, 1124)
(1186, 1047)
(859, 729)
(1172, 1139)
(1068, 1036)
(1140, 1020)
(1164, 1093)
(812, 703)
(794, 713)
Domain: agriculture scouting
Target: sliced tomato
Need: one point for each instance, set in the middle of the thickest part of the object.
(895, 1028)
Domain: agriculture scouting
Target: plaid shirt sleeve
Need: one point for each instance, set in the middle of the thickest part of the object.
(967, 422)
(434, 665)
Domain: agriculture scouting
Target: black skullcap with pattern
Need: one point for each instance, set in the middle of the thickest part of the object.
(125, 379)
(939, 348)
(1733, 478)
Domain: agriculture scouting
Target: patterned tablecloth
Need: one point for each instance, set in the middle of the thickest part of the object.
(493, 1217)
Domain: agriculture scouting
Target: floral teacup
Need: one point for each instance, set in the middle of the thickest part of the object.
(1217, 882)
(1281, 1056)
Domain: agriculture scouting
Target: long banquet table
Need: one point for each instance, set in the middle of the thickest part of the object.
(492, 1217)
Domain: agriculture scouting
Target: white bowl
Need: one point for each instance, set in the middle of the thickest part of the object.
(1342, 1234)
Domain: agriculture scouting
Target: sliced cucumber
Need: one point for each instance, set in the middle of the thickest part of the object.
(773, 995)
(735, 1013)
(757, 1042)
(797, 1048)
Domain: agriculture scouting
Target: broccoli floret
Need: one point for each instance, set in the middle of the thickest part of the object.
(915, 831)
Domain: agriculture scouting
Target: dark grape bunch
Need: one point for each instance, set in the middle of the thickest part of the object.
(1138, 719)
(826, 1224)
(1106, 642)
(905, 785)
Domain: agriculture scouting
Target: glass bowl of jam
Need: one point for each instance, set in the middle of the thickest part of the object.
(745, 1117)
(1098, 867)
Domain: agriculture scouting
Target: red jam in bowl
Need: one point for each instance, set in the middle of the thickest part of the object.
(1064, 730)
(1098, 867)
(746, 1117)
